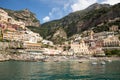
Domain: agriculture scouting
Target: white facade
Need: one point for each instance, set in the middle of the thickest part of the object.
(51, 51)
(111, 41)
(47, 42)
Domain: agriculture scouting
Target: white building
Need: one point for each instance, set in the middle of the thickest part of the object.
(31, 37)
(51, 51)
(47, 42)
(111, 41)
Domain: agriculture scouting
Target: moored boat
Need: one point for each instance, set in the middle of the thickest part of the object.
(102, 63)
(94, 63)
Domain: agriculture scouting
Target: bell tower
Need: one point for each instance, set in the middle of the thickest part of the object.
(91, 34)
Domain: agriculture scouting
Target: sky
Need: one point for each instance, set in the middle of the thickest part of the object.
(47, 10)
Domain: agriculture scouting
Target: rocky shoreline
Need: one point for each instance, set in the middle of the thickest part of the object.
(38, 57)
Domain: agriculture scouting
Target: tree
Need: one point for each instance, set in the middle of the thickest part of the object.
(107, 52)
(1, 35)
(119, 37)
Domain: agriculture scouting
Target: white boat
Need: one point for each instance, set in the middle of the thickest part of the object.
(109, 60)
(94, 63)
(103, 63)
(80, 61)
(56, 60)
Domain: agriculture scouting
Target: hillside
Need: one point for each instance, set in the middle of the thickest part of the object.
(25, 16)
(79, 21)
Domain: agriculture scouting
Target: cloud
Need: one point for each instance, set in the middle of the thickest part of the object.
(55, 2)
(53, 11)
(57, 13)
(81, 4)
(59, 9)
(112, 2)
(46, 19)
(66, 6)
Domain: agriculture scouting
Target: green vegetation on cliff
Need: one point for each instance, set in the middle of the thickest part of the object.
(112, 52)
(1, 35)
(106, 26)
(79, 21)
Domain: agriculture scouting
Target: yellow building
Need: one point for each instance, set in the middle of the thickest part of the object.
(81, 48)
(32, 46)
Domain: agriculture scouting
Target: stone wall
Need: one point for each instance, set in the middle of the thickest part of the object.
(10, 45)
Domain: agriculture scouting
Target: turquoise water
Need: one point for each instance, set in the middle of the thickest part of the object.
(17, 70)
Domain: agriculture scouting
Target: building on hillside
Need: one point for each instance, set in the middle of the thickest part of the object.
(51, 51)
(47, 42)
(32, 46)
(32, 37)
(114, 28)
(111, 41)
(81, 48)
(95, 44)
(90, 40)
(4, 17)
(15, 30)
(22, 36)
(97, 51)
(102, 35)
(13, 36)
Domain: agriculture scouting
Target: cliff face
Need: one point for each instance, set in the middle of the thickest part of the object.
(25, 16)
(59, 36)
(60, 33)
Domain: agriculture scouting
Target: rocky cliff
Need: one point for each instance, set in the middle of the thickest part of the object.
(25, 16)
(59, 36)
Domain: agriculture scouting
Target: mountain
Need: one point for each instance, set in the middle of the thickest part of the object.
(79, 21)
(97, 6)
(25, 16)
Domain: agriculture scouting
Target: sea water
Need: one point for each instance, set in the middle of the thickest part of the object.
(68, 70)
